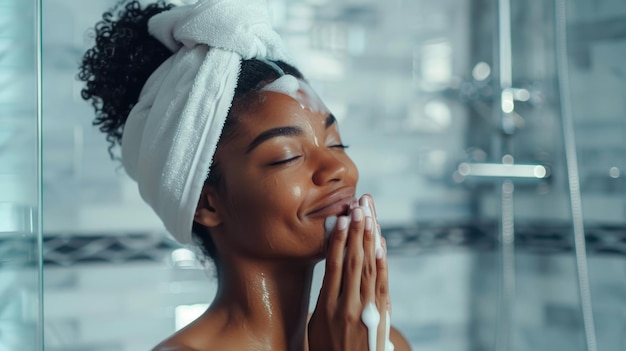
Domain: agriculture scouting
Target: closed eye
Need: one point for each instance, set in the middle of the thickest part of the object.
(292, 159)
(284, 162)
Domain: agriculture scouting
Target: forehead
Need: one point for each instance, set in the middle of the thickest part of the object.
(299, 90)
(272, 109)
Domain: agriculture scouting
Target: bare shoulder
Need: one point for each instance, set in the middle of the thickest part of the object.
(399, 341)
(180, 341)
(199, 335)
(183, 339)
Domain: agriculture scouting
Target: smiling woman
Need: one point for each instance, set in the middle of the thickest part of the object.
(237, 154)
(283, 164)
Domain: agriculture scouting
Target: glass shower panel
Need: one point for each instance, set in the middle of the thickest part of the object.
(515, 172)
(20, 237)
(531, 292)
(597, 39)
(597, 81)
(436, 116)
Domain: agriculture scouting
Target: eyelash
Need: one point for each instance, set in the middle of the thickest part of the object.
(340, 146)
(283, 162)
(289, 160)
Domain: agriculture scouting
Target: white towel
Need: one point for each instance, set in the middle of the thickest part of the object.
(171, 134)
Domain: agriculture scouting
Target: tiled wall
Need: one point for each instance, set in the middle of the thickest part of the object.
(441, 301)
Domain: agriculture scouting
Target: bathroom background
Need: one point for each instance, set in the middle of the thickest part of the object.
(492, 134)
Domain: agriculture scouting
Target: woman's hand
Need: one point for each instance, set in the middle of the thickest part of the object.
(354, 278)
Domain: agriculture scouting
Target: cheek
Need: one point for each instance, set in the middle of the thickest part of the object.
(353, 171)
(296, 192)
(267, 199)
(281, 192)
(269, 209)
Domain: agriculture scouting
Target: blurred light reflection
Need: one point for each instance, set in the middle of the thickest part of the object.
(185, 314)
(436, 64)
(481, 71)
(502, 170)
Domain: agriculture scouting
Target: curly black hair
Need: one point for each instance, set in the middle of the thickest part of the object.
(122, 59)
(118, 65)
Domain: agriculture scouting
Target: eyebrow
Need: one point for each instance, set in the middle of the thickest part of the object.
(284, 131)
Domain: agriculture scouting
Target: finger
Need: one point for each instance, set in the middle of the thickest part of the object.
(353, 261)
(370, 202)
(382, 331)
(368, 274)
(334, 259)
(384, 244)
(382, 283)
(367, 200)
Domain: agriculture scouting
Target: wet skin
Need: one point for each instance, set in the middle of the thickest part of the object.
(284, 171)
(273, 186)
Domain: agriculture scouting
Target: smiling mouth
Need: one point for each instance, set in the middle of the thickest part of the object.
(340, 207)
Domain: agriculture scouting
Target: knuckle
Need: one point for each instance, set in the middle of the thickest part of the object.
(369, 271)
(355, 260)
(351, 317)
(382, 290)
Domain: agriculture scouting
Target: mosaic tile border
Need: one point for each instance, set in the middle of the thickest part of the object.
(539, 238)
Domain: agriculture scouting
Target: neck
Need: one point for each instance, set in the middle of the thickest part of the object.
(268, 300)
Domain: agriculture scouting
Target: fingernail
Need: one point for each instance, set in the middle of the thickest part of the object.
(329, 224)
(368, 223)
(379, 253)
(366, 210)
(357, 214)
(366, 201)
(354, 204)
(342, 223)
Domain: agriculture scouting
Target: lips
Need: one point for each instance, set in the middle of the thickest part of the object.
(336, 204)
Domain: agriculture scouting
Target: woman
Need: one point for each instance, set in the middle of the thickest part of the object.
(207, 89)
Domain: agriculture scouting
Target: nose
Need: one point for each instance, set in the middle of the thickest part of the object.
(330, 167)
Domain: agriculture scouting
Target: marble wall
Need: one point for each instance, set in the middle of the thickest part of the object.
(447, 300)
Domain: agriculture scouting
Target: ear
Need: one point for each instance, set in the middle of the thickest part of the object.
(206, 211)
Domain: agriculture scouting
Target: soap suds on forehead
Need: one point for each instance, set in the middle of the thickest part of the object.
(298, 90)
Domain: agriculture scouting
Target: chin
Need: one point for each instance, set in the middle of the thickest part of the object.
(317, 256)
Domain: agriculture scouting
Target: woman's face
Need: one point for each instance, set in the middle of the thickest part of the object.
(284, 171)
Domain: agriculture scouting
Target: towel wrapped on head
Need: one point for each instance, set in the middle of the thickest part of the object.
(172, 132)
